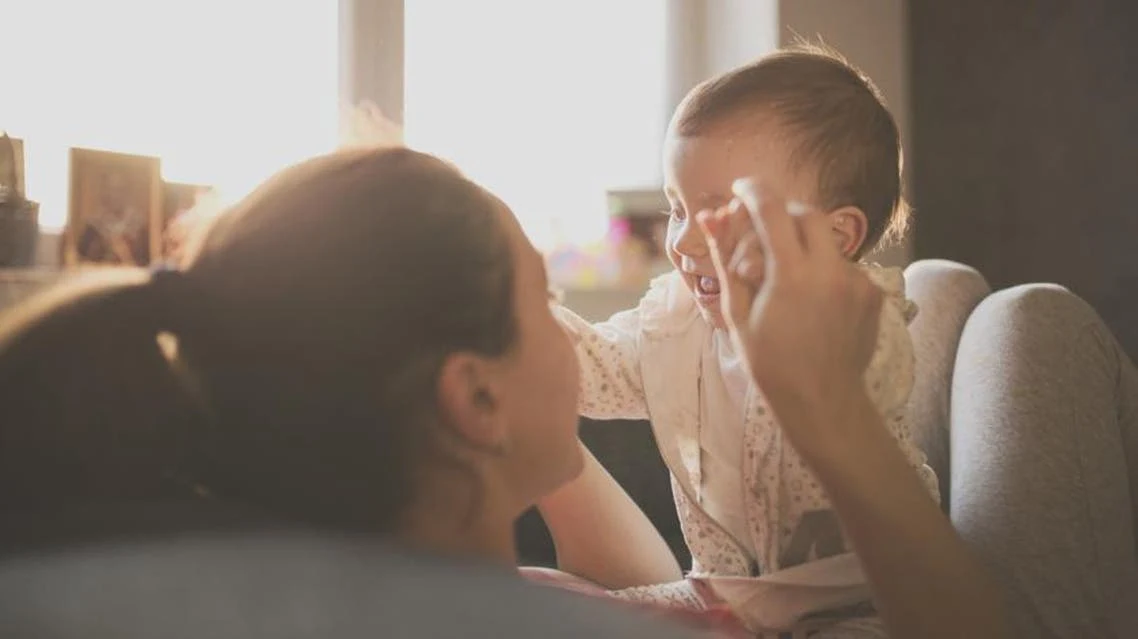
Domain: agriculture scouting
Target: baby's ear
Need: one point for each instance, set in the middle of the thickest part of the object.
(850, 227)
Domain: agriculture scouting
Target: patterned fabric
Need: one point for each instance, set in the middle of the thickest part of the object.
(679, 602)
(677, 594)
(646, 363)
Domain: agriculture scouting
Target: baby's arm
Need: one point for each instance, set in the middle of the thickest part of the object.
(611, 387)
(600, 533)
(598, 530)
(890, 375)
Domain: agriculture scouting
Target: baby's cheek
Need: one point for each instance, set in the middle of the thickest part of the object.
(670, 246)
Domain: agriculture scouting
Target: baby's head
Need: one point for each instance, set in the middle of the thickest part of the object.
(805, 122)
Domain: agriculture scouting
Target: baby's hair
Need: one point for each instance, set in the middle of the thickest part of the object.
(837, 121)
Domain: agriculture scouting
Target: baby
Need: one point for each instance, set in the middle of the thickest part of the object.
(762, 534)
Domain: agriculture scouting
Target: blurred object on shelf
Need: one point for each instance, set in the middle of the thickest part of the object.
(19, 217)
(638, 226)
(186, 209)
(115, 209)
(631, 253)
(592, 266)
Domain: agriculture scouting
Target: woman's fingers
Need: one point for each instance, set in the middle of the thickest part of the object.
(776, 228)
(737, 219)
(814, 229)
(746, 257)
(722, 241)
(747, 262)
(712, 224)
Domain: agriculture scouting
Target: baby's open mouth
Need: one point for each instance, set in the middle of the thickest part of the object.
(707, 285)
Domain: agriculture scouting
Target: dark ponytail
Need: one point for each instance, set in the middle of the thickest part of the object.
(90, 408)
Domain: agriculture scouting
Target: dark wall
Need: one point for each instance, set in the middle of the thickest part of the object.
(628, 450)
(1024, 151)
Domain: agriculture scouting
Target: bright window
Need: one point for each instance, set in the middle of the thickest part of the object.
(224, 91)
(547, 103)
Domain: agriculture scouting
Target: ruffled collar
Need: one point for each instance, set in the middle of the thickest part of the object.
(668, 307)
(891, 280)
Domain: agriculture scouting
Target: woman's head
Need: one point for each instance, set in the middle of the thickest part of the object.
(364, 329)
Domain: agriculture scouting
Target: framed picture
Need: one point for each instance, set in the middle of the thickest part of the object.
(115, 209)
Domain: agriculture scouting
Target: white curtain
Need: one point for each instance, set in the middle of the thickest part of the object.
(224, 91)
(547, 103)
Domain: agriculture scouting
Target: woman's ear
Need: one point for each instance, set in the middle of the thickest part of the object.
(470, 403)
(850, 227)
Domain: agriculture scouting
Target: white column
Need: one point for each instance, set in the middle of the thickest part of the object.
(739, 31)
(686, 49)
(371, 54)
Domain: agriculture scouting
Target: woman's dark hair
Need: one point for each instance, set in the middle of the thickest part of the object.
(304, 339)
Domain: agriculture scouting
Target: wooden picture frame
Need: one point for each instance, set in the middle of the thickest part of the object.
(115, 209)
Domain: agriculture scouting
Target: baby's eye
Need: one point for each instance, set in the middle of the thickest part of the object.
(675, 214)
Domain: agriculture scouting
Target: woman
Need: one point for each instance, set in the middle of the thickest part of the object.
(308, 330)
(365, 343)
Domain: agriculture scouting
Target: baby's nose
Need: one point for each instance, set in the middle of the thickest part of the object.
(691, 243)
(702, 264)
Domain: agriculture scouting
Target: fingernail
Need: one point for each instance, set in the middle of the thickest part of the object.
(745, 187)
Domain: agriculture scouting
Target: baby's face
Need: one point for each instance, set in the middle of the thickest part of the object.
(698, 172)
